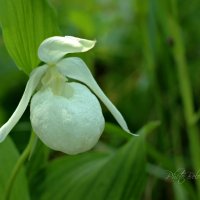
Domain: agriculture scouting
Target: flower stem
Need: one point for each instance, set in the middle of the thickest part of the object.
(18, 166)
(187, 97)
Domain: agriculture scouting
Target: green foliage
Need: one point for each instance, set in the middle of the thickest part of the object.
(116, 175)
(147, 62)
(8, 158)
(25, 24)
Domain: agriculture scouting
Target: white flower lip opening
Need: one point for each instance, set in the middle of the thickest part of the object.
(68, 104)
(72, 126)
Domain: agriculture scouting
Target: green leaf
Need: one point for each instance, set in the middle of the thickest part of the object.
(118, 175)
(8, 158)
(25, 24)
(37, 160)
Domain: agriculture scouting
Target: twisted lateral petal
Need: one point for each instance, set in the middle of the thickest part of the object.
(75, 68)
(32, 83)
(54, 48)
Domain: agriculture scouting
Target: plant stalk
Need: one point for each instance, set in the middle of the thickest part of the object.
(18, 166)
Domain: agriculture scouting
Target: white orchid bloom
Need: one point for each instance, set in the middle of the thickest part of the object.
(64, 114)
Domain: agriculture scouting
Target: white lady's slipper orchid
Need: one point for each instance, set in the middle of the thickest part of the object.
(64, 114)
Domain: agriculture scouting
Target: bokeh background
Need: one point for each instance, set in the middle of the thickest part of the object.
(147, 61)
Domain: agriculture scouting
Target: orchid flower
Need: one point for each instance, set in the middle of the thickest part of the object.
(64, 111)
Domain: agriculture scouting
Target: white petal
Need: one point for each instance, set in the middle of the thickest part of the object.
(71, 123)
(75, 68)
(30, 87)
(54, 48)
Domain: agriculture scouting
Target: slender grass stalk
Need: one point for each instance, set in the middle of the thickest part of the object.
(143, 9)
(186, 95)
(18, 166)
(183, 78)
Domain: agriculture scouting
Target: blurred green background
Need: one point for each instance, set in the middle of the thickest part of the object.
(146, 60)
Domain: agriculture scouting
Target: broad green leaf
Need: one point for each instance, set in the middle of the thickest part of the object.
(8, 158)
(64, 174)
(25, 24)
(118, 175)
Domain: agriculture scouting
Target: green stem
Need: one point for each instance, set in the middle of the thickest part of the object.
(187, 97)
(145, 17)
(18, 166)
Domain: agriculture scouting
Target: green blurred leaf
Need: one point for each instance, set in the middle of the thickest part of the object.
(38, 159)
(8, 158)
(64, 174)
(25, 24)
(119, 175)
